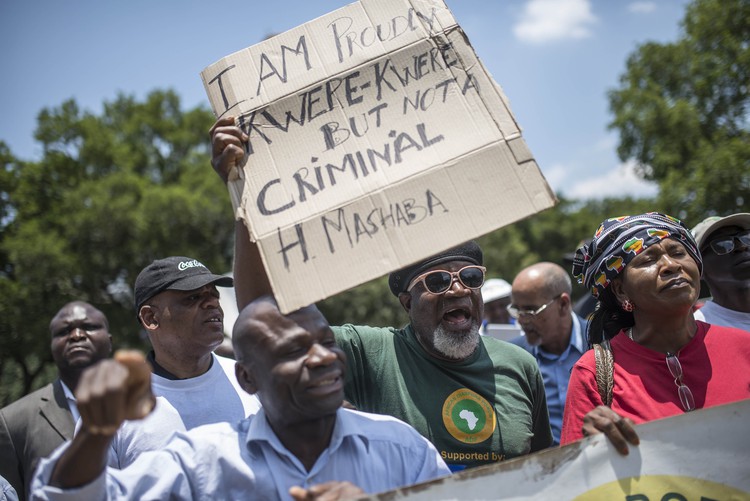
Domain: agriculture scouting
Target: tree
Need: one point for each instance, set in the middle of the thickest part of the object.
(682, 112)
(110, 194)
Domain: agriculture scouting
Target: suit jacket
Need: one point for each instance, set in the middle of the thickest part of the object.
(30, 429)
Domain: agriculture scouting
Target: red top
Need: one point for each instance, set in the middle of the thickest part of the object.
(715, 366)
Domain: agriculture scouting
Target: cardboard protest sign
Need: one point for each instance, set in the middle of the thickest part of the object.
(377, 138)
(701, 455)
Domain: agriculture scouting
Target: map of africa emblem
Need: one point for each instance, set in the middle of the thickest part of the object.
(468, 417)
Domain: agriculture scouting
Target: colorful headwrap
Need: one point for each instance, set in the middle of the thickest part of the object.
(618, 240)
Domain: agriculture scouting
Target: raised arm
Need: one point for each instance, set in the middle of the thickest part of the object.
(107, 394)
(250, 279)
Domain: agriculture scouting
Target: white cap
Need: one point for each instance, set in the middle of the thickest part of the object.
(495, 288)
(703, 230)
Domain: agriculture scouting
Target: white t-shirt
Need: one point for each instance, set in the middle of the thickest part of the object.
(716, 314)
(181, 405)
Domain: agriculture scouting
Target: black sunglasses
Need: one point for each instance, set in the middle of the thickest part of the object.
(725, 245)
(439, 281)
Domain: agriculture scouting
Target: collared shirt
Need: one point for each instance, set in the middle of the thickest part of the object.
(246, 460)
(555, 371)
(71, 398)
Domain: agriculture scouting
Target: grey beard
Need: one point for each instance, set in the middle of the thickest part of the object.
(456, 345)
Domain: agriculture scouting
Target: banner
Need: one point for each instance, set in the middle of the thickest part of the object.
(703, 455)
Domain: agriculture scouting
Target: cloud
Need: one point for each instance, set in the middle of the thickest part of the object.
(546, 21)
(642, 7)
(619, 182)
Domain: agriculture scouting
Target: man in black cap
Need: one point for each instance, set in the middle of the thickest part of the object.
(477, 399)
(177, 304)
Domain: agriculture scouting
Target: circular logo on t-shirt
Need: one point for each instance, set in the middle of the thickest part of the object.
(468, 417)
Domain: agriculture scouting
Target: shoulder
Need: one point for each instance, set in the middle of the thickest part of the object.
(226, 364)
(360, 334)
(724, 334)
(349, 329)
(381, 427)
(507, 352)
(587, 360)
(27, 403)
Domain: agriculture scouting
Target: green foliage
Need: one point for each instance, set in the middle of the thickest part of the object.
(682, 112)
(111, 193)
(117, 190)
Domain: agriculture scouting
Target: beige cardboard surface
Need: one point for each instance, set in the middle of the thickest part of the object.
(377, 138)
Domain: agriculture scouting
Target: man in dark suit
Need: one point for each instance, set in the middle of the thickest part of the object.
(33, 426)
(553, 333)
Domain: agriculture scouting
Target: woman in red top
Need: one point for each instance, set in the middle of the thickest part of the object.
(645, 271)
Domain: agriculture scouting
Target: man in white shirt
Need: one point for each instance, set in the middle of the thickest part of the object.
(301, 444)
(177, 303)
(724, 243)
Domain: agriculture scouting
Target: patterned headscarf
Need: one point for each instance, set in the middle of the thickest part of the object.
(618, 240)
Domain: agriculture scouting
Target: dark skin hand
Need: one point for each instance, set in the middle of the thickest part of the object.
(107, 394)
(227, 150)
(329, 491)
(619, 430)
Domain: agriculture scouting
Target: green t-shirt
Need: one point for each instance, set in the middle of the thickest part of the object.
(487, 408)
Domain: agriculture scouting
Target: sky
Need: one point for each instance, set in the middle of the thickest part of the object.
(555, 60)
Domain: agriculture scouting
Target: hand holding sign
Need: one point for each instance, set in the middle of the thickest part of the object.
(227, 152)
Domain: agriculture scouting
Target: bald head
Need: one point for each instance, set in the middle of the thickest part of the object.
(290, 361)
(544, 288)
(78, 309)
(545, 277)
(262, 319)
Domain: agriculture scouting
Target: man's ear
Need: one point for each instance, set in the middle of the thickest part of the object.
(149, 317)
(405, 299)
(566, 303)
(245, 378)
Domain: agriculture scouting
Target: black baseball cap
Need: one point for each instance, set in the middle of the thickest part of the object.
(174, 273)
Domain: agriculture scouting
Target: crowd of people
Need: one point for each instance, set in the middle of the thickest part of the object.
(312, 411)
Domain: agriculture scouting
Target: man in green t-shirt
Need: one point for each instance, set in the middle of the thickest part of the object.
(477, 399)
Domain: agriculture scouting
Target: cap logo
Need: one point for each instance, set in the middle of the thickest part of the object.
(184, 265)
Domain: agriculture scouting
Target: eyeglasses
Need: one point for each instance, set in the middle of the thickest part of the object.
(516, 313)
(439, 281)
(686, 396)
(725, 245)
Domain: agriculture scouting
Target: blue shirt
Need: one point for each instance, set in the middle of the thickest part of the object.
(246, 460)
(7, 492)
(556, 369)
